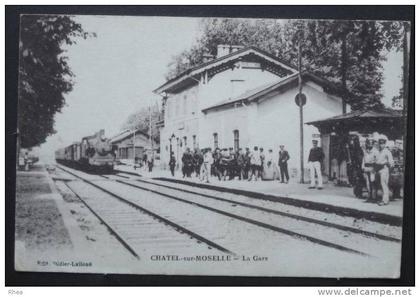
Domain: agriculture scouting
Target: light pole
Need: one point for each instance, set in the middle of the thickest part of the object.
(150, 127)
(300, 100)
(170, 145)
(177, 152)
(301, 103)
(134, 148)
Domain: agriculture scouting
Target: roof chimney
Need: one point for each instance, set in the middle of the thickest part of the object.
(226, 49)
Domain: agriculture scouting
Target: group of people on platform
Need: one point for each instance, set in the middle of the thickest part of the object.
(226, 164)
(145, 160)
(375, 166)
(366, 168)
(369, 168)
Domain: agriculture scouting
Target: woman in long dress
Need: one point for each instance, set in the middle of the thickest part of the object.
(269, 172)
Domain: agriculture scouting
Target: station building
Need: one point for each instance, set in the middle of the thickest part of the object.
(130, 142)
(244, 97)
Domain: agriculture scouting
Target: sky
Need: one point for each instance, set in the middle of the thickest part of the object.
(116, 72)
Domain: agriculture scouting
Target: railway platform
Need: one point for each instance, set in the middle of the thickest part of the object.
(40, 224)
(331, 199)
(52, 227)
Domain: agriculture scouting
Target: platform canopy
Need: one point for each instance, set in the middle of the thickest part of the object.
(385, 121)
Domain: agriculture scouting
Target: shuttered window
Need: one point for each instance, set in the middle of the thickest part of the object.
(216, 140)
(236, 140)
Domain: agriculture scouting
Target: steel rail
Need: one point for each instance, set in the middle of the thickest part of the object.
(113, 232)
(280, 213)
(254, 222)
(174, 225)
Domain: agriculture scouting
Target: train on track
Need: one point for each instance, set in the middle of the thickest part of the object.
(93, 153)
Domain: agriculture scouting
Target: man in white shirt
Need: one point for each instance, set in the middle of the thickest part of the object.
(368, 164)
(384, 162)
(255, 164)
(207, 162)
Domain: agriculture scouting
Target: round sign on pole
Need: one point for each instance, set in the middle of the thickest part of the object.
(300, 99)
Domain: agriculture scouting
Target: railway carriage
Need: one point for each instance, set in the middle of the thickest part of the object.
(93, 153)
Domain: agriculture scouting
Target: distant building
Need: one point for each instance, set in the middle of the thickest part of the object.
(124, 144)
(245, 97)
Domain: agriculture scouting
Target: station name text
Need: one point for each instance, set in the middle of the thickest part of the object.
(208, 258)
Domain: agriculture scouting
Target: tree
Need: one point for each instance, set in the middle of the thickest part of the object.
(44, 74)
(141, 120)
(398, 39)
(348, 53)
(263, 33)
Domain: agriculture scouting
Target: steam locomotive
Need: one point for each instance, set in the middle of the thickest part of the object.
(92, 154)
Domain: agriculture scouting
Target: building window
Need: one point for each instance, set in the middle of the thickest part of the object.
(194, 141)
(185, 105)
(194, 105)
(177, 107)
(169, 109)
(216, 140)
(236, 140)
(185, 141)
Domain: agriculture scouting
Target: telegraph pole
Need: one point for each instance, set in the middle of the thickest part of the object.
(134, 147)
(406, 56)
(150, 127)
(300, 111)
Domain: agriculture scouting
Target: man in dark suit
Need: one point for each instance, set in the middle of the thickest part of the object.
(283, 158)
(240, 164)
(172, 163)
(187, 163)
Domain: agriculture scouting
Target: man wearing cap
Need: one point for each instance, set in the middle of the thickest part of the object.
(224, 163)
(240, 163)
(207, 162)
(217, 157)
(316, 156)
(187, 163)
(232, 164)
(384, 163)
(283, 158)
(262, 161)
(368, 163)
(255, 162)
(247, 162)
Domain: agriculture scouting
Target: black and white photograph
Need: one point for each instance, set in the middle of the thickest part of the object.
(211, 146)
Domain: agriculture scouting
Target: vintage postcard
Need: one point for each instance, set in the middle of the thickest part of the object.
(211, 146)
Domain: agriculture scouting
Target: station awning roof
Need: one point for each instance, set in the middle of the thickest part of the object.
(384, 120)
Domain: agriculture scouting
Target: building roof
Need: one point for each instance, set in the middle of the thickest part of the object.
(282, 84)
(193, 71)
(126, 134)
(382, 120)
(384, 113)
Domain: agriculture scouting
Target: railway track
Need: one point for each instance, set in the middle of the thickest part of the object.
(135, 227)
(226, 211)
(342, 237)
(263, 209)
